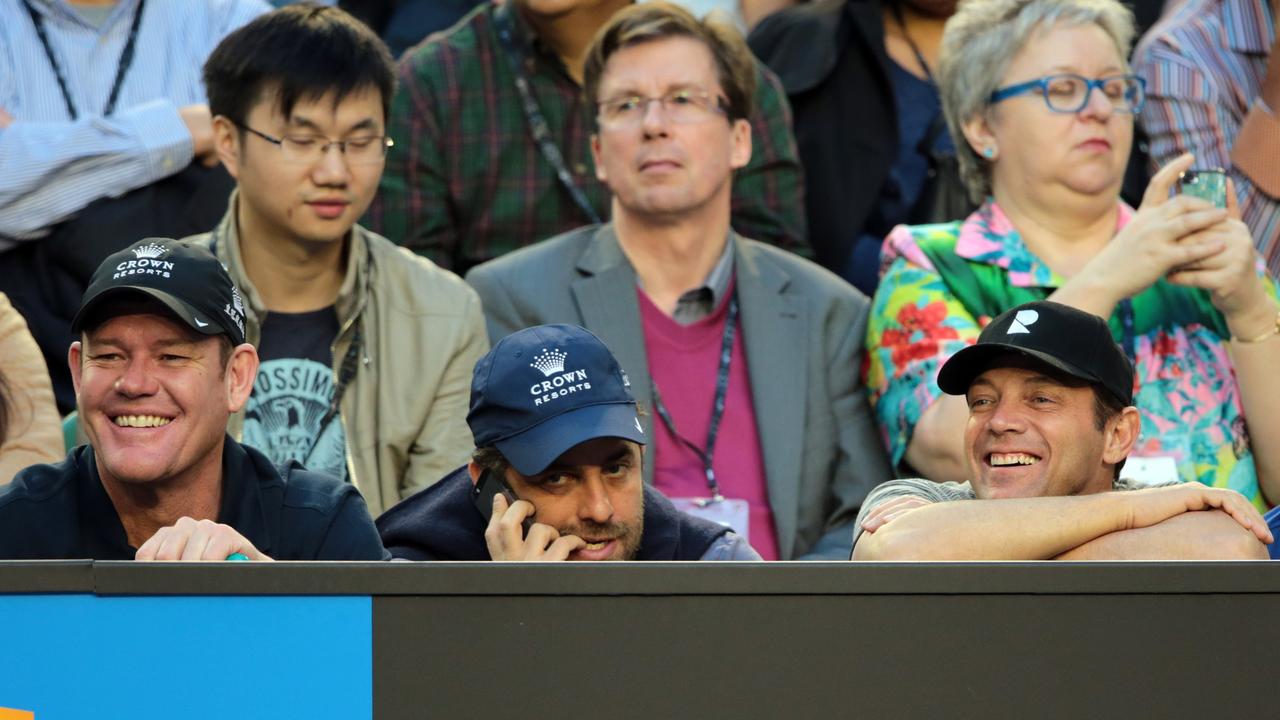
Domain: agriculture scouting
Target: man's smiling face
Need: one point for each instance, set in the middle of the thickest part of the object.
(153, 395)
(1034, 433)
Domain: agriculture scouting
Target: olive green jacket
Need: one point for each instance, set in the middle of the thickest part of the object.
(404, 412)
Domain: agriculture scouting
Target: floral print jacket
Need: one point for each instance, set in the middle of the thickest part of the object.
(942, 283)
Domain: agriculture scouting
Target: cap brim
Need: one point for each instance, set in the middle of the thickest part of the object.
(531, 451)
(179, 308)
(960, 370)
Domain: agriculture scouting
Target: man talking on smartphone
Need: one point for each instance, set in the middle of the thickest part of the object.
(553, 418)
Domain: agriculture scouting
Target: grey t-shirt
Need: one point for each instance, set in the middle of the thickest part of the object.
(936, 492)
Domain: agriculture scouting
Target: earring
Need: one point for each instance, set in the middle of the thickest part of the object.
(989, 152)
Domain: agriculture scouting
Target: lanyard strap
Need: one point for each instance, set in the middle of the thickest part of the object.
(538, 125)
(717, 407)
(902, 25)
(122, 67)
(1129, 336)
(346, 371)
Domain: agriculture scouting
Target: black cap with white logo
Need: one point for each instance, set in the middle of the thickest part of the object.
(1072, 341)
(185, 277)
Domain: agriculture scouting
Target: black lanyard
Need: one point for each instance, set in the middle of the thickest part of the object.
(1130, 339)
(122, 68)
(717, 407)
(538, 125)
(346, 371)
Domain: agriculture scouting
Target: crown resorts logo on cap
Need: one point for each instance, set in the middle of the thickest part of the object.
(183, 277)
(543, 390)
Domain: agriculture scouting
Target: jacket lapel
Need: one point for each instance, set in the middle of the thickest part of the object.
(773, 322)
(605, 294)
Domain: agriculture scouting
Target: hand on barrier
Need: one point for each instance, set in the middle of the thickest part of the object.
(191, 540)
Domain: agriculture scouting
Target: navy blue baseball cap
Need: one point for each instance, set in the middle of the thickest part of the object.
(546, 389)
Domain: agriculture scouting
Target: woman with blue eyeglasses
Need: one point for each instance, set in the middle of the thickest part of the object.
(1040, 102)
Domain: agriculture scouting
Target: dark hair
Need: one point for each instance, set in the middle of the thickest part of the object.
(299, 52)
(647, 22)
(1105, 407)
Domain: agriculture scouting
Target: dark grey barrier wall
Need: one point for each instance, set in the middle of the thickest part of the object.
(801, 640)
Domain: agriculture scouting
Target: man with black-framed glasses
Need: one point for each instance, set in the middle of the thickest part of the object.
(366, 349)
(748, 355)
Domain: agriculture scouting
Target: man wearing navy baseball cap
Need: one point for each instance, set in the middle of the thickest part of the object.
(1051, 422)
(161, 364)
(557, 471)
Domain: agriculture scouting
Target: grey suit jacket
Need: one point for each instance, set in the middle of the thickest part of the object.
(802, 330)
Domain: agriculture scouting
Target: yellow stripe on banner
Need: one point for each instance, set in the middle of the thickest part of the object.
(10, 714)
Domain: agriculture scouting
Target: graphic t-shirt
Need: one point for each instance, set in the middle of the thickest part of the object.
(292, 393)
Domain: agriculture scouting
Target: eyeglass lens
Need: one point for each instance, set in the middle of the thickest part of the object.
(1071, 93)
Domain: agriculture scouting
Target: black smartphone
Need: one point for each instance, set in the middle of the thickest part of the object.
(1205, 183)
(482, 494)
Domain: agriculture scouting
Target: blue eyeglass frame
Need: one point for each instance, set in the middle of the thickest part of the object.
(1042, 84)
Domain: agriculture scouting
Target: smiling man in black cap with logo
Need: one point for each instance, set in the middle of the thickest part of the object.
(553, 418)
(161, 364)
(1051, 422)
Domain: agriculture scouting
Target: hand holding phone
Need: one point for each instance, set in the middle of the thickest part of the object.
(486, 488)
(507, 540)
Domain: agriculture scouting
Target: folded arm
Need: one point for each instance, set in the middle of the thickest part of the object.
(1208, 535)
(1051, 527)
(51, 170)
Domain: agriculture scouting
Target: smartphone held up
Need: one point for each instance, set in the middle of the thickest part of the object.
(1205, 183)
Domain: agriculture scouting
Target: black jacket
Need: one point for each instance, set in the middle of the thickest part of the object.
(441, 523)
(62, 511)
(831, 59)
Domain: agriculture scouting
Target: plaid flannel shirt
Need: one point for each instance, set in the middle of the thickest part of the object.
(466, 182)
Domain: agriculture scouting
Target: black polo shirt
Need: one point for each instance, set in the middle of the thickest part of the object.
(62, 511)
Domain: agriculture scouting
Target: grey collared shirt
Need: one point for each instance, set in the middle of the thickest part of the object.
(696, 304)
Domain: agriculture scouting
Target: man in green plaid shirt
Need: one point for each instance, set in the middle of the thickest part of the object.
(466, 181)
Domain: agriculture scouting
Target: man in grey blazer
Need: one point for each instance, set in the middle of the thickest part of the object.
(761, 418)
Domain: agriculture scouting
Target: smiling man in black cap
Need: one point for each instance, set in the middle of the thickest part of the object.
(161, 364)
(1051, 422)
(552, 416)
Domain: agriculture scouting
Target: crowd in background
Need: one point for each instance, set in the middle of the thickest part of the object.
(850, 193)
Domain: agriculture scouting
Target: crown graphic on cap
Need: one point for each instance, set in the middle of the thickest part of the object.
(150, 251)
(182, 276)
(533, 421)
(549, 362)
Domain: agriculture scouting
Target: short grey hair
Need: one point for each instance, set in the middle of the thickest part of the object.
(981, 40)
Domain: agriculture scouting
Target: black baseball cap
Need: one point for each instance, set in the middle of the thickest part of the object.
(183, 276)
(543, 390)
(1069, 340)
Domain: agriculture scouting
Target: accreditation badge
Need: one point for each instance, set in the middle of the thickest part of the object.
(732, 513)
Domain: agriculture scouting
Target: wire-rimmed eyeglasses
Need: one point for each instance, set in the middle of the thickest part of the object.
(358, 150)
(679, 106)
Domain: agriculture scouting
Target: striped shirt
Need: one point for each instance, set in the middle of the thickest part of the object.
(1204, 63)
(465, 182)
(52, 166)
